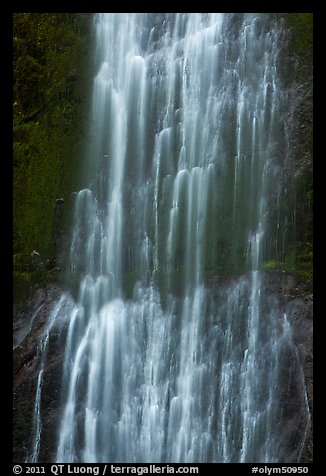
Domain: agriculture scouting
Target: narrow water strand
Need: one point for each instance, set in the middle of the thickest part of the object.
(53, 320)
(173, 350)
(37, 418)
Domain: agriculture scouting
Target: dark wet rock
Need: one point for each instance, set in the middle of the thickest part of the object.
(284, 291)
(25, 384)
(296, 301)
(29, 328)
(51, 404)
(24, 316)
(34, 315)
(50, 263)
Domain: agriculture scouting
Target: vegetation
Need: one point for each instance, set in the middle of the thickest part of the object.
(50, 54)
(299, 190)
(301, 40)
(50, 77)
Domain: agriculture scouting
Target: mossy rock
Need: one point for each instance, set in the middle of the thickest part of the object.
(48, 113)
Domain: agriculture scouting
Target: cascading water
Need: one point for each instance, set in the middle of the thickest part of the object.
(164, 362)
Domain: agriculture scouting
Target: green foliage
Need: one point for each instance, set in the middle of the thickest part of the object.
(299, 190)
(272, 265)
(299, 260)
(301, 25)
(22, 283)
(48, 106)
(295, 62)
(302, 256)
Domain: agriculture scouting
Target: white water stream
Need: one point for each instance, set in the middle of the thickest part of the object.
(160, 364)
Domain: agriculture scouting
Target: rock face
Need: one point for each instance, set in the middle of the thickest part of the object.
(28, 330)
(296, 301)
(291, 297)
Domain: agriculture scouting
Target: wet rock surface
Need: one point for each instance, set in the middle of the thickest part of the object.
(26, 363)
(296, 301)
(291, 297)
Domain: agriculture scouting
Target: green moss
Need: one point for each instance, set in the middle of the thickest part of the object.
(50, 78)
(299, 260)
(301, 25)
(296, 59)
(22, 282)
(272, 265)
(302, 257)
(296, 68)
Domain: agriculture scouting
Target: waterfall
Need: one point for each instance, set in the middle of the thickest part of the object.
(55, 321)
(173, 351)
